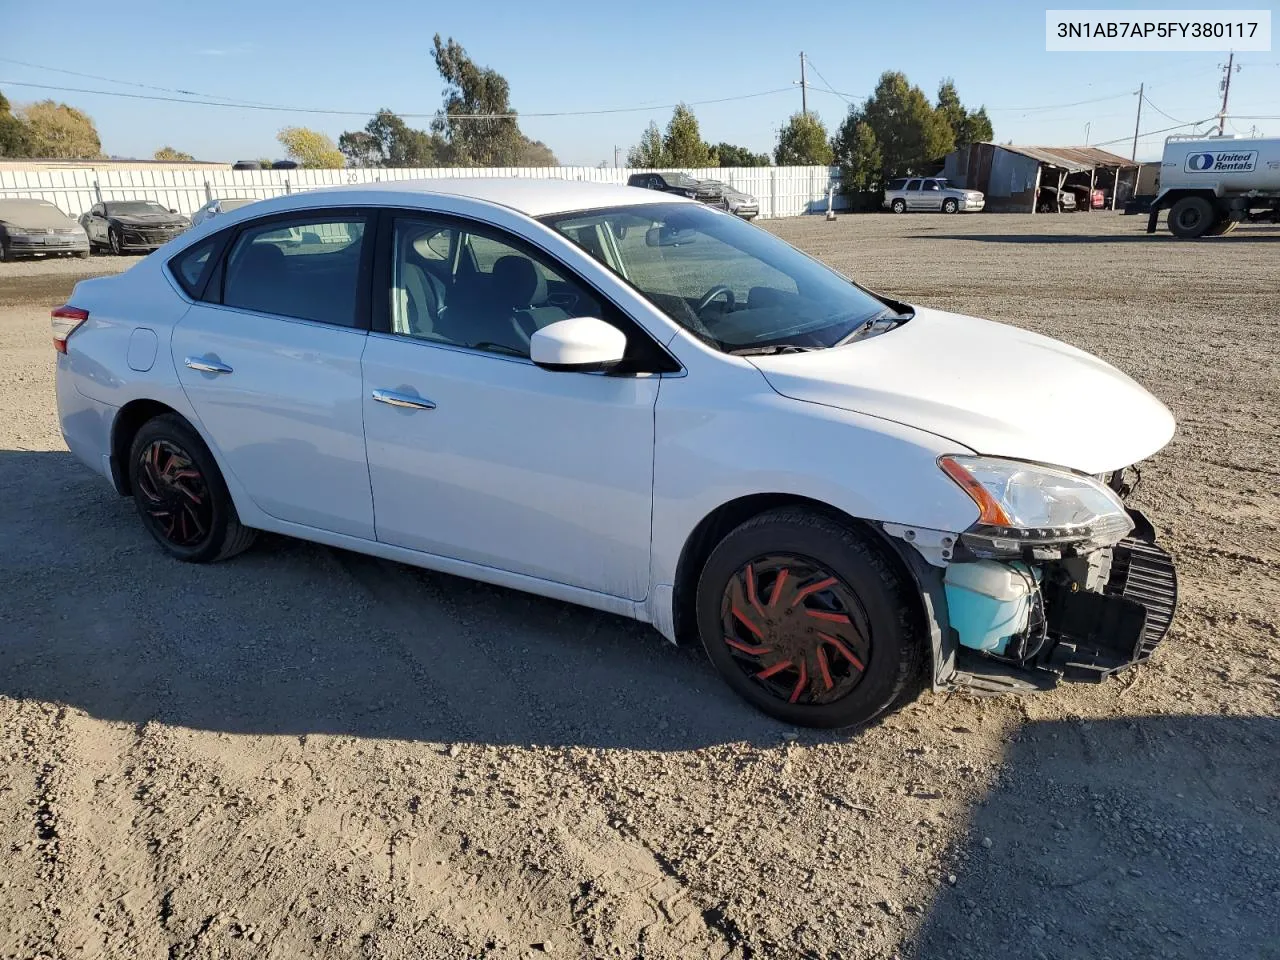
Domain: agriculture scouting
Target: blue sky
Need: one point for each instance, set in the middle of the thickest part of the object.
(578, 55)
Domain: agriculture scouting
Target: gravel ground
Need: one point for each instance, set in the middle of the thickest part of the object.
(305, 752)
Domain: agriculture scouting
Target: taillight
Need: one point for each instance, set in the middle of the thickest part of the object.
(64, 320)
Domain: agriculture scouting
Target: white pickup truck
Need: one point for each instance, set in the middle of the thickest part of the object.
(1210, 184)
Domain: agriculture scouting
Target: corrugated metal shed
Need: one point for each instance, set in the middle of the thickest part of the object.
(1073, 159)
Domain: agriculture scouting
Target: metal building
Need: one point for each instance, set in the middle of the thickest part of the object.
(1011, 177)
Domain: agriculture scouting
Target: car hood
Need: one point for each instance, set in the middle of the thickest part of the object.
(148, 220)
(996, 389)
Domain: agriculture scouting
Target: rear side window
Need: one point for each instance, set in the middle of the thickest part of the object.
(307, 268)
(191, 267)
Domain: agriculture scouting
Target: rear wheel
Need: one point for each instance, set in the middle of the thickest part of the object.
(180, 494)
(899, 206)
(805, 618)
(1191, 217)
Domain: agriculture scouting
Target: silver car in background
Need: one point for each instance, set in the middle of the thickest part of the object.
(215, 207)
(739, 203)
(38, 228)
(930, 193)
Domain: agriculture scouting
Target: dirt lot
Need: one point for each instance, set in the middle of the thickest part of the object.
(309, 753)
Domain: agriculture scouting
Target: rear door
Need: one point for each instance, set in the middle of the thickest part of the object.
(913, 194)
(270, 360)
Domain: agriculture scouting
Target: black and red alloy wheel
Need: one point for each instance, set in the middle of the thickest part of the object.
(796, 629)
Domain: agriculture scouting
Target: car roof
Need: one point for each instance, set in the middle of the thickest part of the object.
(530, 196)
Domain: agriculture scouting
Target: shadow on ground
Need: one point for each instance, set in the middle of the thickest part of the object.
(1051, 238)
(1143, 837)
(295, 638)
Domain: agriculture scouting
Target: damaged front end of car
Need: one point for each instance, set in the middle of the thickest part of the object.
(1056, 580)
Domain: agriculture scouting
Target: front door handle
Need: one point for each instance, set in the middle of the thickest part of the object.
(403, 400)
(207, 366)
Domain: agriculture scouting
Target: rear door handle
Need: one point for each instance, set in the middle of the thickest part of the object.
(207, 366)
(405, 400)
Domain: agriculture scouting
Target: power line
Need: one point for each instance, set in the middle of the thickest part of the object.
(829, 88)
(1061, 106)
(1151, 133)
(130, 83)
(369, 113)
(1159, 111)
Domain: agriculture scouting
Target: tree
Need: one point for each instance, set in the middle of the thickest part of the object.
(729, 155)
(14, 139)
(683, 143)
(476, 119)
(649, 153)
(172, 155)
(857, 151)
(361, 149)
(387, 141)
(966, 126)
(803, 141)
(912, 135)
(310, 148)
(57, 131)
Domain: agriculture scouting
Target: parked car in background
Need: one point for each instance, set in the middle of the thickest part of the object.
(632, 402)
(127, 225)
(682, 185)
(38, 228)
(1053, 200)
(739, 203)
(930, 193)
(215, 207)
(1087, 199)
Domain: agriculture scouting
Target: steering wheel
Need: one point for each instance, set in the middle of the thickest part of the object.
(718, 290)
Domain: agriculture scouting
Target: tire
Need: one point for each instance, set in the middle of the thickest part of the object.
(950, 206)
(830, 599)
(82, 254)
(5, 254)
(1191, 217)
(113, 239)
(1044, 207)
(180, 494)
(898, 206)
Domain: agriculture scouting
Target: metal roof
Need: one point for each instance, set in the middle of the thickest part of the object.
(1072, 159)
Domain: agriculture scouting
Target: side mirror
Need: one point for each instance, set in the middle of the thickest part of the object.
(580, 344)
(172, 210)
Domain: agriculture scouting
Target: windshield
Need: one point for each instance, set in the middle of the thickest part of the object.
(132, 207)
(731, 284)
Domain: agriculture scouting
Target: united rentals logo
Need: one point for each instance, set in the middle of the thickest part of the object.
(1240, 162)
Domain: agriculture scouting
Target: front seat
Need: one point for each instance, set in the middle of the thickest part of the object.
(522, 292)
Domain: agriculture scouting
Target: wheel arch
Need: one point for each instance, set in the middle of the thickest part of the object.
(717, 524)
(128, 421)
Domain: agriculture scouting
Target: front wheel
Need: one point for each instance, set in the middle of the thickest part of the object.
(899, 206)
(1191, 217)
(113, 238)
(950, 206)
(806, 618)
(180, 494)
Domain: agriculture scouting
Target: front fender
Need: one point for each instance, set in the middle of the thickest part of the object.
(712, 450)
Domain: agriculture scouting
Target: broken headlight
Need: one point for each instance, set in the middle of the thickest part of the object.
(1036, 512)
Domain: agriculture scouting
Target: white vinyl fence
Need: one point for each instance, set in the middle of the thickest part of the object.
(782, 191)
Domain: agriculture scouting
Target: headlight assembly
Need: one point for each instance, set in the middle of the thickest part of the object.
(1026, 508)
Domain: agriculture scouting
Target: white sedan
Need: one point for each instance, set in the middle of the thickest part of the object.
(630, 401)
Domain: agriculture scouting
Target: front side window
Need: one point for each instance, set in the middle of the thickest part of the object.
(468, 287)
(932, 185)
(308, 268)
(733, 285)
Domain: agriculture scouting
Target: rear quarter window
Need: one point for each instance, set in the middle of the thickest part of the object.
(896, 184)
(191, 267)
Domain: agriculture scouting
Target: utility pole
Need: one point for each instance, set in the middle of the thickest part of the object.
(1136, 123)
(804, 100)
(1225, 85)
(1086, 133)
(615, 157)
